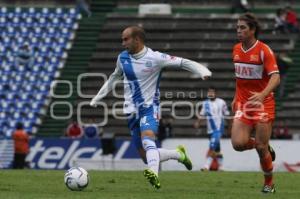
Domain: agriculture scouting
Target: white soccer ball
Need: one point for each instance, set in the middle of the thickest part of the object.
(76, 178)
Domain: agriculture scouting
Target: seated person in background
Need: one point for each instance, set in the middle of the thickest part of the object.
(280, 22)
(281, 131)
(91, 130)
(292, 21)
(24, 57)
(74, 130)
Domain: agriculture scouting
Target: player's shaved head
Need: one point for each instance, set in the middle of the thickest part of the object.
(133, 39)
(137, 32)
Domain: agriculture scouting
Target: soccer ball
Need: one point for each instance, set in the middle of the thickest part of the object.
(76, 178)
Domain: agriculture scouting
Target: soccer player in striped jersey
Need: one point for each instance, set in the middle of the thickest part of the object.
(140, 68)
(214, 110)
(257, 76)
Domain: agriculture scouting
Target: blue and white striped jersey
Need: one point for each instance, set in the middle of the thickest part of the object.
(215, 111)
(141, 75)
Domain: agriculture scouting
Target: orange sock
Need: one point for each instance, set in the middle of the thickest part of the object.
(250, 144)
(267, 167)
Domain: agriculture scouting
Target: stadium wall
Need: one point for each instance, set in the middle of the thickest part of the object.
(63, 153)
(286, 157)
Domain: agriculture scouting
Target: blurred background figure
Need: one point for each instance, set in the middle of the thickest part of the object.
(91, 130)
(213, 111)
(280, 22)
(281, 130)
(84, 5)
(21, 145)
(24, 58)
(239, 5)
(291, 19)
(165, 128)
(74, 130)
(284, 62)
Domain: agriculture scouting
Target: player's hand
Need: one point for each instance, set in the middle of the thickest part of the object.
(93, 103)
(256, 97)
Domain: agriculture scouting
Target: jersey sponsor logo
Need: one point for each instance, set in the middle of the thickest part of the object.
(248, 71)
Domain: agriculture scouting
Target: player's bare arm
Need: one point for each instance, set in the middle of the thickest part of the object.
(273, 83)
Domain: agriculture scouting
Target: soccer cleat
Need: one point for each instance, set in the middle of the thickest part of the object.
(204, 169)
(152, 178)
(268, 189)
(272, 152)
(184, 159)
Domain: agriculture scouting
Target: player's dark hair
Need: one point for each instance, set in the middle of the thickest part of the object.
(19, 126)
(211, 88)
(252, 22)
(139, 32)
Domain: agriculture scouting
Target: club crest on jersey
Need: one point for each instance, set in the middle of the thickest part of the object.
(236, 57)
(254, 58)
(148, 64)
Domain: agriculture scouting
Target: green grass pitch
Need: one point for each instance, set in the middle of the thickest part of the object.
(44, 184)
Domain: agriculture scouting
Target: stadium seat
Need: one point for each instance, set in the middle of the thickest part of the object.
(47, 31)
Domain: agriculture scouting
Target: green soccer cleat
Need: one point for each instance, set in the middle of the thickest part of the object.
(272, 152)
(268, 189)
(184, 159)
(152, 178)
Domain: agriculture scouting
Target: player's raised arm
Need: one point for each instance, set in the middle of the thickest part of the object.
(196, 68)
(107, 87)
(189, 65)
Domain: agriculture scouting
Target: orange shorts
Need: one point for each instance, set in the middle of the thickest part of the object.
(252, 114)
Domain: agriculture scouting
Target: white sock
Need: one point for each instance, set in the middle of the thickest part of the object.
(208, 162)
(220, 163)
(166, 154)
(152, 154)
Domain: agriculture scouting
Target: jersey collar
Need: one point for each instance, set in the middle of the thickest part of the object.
(140, 54)
(245, 51)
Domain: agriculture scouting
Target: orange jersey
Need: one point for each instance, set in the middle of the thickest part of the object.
(253, 68)
(21, 140)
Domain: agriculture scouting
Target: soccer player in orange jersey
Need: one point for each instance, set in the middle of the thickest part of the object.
(257, 76)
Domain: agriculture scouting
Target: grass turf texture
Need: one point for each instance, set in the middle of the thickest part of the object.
(45, 184)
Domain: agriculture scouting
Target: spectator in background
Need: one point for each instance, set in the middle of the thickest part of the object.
(292, 21)
(284, 62)
(21, 142)
(280, 21)
(24, 58)
(165, 128)
(84, 5)
(91, 130)
(74, 130)
(281, 131)
(239, 5)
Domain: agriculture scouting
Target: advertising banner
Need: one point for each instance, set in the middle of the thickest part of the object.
(287, 157)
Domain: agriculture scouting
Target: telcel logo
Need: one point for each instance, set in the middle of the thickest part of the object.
(62, 156)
